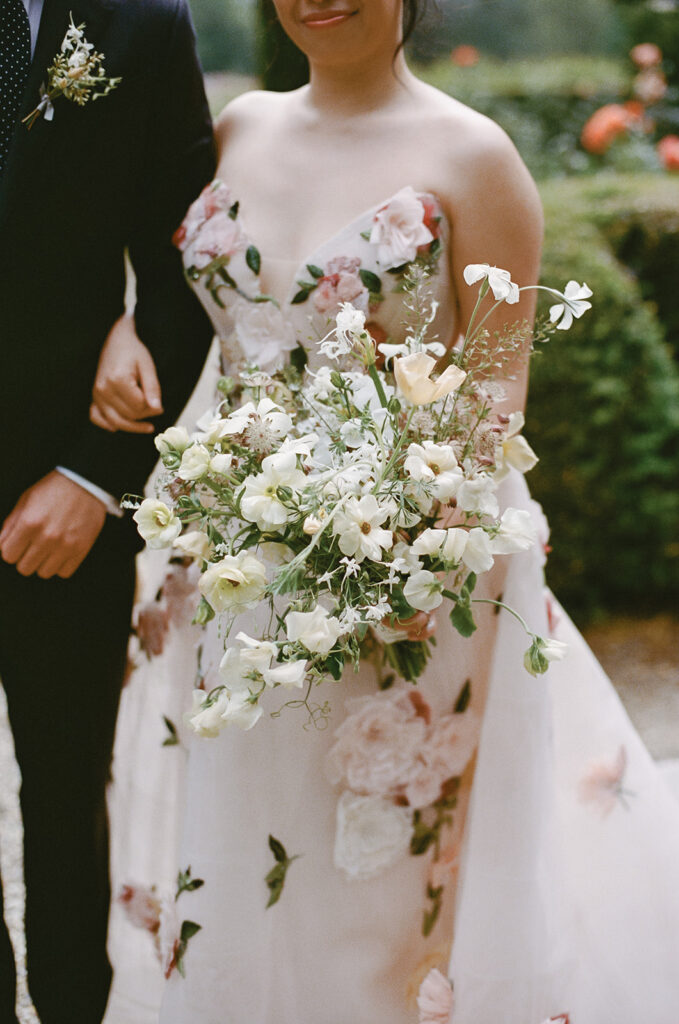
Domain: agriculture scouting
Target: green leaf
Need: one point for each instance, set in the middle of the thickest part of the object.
(185, 883)
(334, 665)
(371, 281)
(462, 702)
(462, 618)
(316, 272)
(431, 916)
(435, 247)
(253, 259)
(301, 296)
(173, 739)
(366, 235)
(233, 212)
(189, 929)
(277, 849)
(204, 612)
(469, 584)
(299, 358)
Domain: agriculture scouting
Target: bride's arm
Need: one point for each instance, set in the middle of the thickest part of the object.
(497, 219)
(126, 389)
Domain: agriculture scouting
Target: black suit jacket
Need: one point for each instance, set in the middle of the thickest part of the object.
(77, 192)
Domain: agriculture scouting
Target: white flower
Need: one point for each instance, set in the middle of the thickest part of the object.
(350, 323)
(436, 463)
(241, 711)
(477, 554)
(399, 229)
(429, 542)
(372, 834)
(260, 502)
(358, 526)
(194, 545)
(500, 281)
(454, 544)
(405, 558)
(240, 668)
(289, 674)
(173, 439)
(376, 612)
(413, 378)
(320, 385)
(311, 525)
(574, 305)
(195, 463)
(156, 523)
(517, 532)
(271, 416)
(317, 630)
(207, 720)
(235, 583)
(432, 348)
(352, 434)
(478, 495)
(264, 335)
(514, 450)
(423, 591)
(221, 464)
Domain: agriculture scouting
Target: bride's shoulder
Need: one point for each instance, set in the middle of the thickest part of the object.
(251, 111)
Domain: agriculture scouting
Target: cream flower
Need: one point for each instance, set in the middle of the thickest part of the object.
(317, 630)
(423, 591)
(435, 463)
(372, 834)
(264, 335)
(500, 281)
(435, 999)
(235, 583)
(429, 542)
(477, 554)
(358, 526)
(454, 544)
(260, 502)
(156, 523)
(399, 229)
(241, 711)
(195, 463)
(221, 463)
(206, 718)
(194, 545)
(241, 668)
(514, 450)
(574, 305)
(290, 674)
(477, 495)
(413, 376)
(174, 439)
(277, 422)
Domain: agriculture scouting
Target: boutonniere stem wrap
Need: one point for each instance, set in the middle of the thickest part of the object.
(77, 74)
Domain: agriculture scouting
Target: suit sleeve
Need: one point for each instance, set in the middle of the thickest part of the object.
(179, 161)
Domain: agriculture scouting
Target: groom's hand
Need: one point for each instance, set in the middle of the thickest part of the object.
(52, 528)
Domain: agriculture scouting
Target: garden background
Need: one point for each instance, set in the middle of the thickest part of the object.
(595, 115)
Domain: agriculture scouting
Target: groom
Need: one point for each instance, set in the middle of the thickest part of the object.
(77, 190)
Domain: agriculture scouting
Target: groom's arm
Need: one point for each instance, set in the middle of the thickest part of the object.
(178, 162)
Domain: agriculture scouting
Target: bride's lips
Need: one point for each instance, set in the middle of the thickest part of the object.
(326, 19)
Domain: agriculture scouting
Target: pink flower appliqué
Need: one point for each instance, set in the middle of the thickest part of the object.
(563, 1018)
(603, 784)
(221, 235)
(141, 906)
(447, 751)
(399, 229)
(341, 283)
(215, 197)
(435, 999)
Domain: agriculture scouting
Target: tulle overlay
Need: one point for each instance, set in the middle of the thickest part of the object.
(559, 885)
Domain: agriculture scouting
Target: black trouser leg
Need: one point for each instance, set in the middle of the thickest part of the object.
(62, 657)
(7, 972)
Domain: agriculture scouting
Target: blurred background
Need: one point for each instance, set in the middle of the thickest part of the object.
(589, 92)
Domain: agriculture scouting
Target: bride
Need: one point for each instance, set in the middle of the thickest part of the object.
(554, 889)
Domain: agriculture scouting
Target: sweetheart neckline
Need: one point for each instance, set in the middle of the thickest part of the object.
(302, 264)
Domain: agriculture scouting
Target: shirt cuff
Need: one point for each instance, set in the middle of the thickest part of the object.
(107, 500)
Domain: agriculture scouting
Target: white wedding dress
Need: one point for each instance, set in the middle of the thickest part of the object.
(560, 873)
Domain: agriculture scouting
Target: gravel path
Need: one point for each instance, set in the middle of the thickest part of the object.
(639, 656)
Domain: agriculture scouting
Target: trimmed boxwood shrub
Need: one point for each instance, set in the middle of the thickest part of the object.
(604, 416)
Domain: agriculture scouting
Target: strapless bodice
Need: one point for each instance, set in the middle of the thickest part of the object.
(364, 263)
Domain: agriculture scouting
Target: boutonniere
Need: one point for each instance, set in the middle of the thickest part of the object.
(77, 74)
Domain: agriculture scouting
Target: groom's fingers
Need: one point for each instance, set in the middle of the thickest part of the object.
(148, 379)
(112, 421)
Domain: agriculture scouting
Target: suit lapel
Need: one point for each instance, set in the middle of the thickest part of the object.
(27, 146)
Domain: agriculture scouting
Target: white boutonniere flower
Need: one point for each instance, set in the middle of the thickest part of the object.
(77, 73)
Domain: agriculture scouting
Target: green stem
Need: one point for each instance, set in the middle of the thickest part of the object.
(501, 604)
(375, 377)
(396, 451)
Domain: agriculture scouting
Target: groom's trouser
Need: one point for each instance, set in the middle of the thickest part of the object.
(62, 658)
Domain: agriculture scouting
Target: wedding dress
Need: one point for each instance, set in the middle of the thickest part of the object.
(556, 888)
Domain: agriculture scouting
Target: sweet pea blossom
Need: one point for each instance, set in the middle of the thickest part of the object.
(399, 229)
(477, 495)
(423, 591)
(574, 305)
(290, 674)
(316, 630)
(435, 463)
(538, 656)
(235, 583)
(157, 524)
(514, 450)
(517, 532)
(195, 463)
(500, 281)
(413, 376)
(358, 527)
(477, 554)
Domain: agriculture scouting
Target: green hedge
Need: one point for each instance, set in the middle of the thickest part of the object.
(604, 410)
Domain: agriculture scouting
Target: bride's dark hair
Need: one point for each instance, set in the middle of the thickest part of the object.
(412, 12)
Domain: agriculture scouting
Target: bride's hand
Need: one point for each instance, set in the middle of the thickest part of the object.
(126, 389)
(421, 626)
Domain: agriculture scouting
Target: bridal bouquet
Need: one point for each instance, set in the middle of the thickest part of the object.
(340, 502)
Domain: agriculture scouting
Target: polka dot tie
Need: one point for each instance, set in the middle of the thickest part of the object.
(15, 60)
